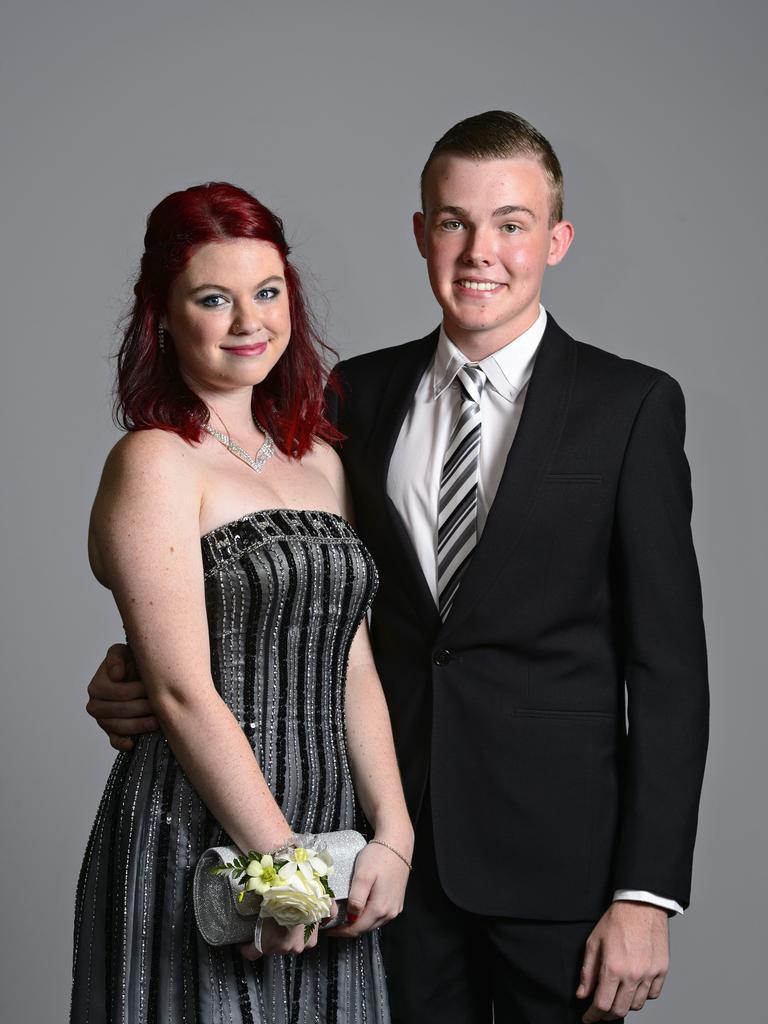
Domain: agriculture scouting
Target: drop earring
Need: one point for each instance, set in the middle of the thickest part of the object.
(161, 338)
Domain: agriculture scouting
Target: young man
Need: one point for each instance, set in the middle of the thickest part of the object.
(527, 500)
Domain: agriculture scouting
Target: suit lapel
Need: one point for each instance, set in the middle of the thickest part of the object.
(396, 401)
(541, 424)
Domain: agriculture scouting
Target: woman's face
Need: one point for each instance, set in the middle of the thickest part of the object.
(228, 314)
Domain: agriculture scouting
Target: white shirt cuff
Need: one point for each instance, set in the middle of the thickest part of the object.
(640, 896)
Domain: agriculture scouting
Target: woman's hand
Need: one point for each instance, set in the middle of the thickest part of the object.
(276, 940)
(377, 891)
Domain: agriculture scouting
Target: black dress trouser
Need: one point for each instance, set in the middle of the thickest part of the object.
(448, 965)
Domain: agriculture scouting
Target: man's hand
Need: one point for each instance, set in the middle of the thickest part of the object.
(118, 700)
(626, 960)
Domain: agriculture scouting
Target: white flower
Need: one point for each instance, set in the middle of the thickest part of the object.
(299, 900)
(262, 874)
(309, 863)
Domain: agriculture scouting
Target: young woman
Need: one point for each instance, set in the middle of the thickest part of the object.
(222, 529)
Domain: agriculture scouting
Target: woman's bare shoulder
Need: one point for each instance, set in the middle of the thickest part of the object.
(148, 469)
(148, 451)
(326, 460)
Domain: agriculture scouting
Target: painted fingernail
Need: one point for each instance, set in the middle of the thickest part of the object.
(351, 918)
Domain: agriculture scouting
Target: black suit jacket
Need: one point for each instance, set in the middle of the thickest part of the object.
(584, 580)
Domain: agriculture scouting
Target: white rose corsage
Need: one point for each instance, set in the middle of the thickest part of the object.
(292, 883)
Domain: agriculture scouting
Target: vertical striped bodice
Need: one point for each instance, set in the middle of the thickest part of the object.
(285, 593)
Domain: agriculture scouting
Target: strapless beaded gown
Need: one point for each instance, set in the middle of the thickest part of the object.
(285, 592)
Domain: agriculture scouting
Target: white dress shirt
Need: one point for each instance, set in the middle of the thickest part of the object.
(413, 481)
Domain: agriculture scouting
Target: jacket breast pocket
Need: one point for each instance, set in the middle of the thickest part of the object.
(563, 714)
(575, 478)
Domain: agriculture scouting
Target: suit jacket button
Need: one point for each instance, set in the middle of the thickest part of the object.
(441, 658)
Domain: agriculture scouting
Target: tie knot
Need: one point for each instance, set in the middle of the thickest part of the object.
(472, 381)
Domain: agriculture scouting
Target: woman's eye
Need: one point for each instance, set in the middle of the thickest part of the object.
(213, 301)
(267, 293)
(451, 225)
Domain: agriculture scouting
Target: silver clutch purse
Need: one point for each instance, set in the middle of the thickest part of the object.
(222, 920)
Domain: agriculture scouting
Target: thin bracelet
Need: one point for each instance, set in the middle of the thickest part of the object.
(380, 842)
(290, 844)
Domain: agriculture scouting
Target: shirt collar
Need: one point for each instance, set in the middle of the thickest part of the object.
(507, 371)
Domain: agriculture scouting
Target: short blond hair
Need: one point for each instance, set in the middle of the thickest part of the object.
(495, 135)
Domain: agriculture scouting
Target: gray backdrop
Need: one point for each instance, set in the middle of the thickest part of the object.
(327, 111)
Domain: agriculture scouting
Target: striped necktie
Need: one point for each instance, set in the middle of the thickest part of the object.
(457, 505)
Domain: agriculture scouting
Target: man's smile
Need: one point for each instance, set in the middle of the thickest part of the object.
(475, 285)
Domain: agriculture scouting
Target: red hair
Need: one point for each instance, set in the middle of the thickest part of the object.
(150, 391)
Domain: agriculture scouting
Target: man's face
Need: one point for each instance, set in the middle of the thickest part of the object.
(486, 237)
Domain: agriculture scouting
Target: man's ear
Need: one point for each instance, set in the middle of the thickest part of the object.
(419, 230)
(559, 242)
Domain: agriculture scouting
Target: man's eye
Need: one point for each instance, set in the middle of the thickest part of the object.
(213, 301)
(265, 294)
(451, 225)
(511, 229)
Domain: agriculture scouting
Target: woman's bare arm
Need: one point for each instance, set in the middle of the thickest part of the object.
(146, 538)
(380, 878)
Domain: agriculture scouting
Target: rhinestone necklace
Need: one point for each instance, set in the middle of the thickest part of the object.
(257, 462)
